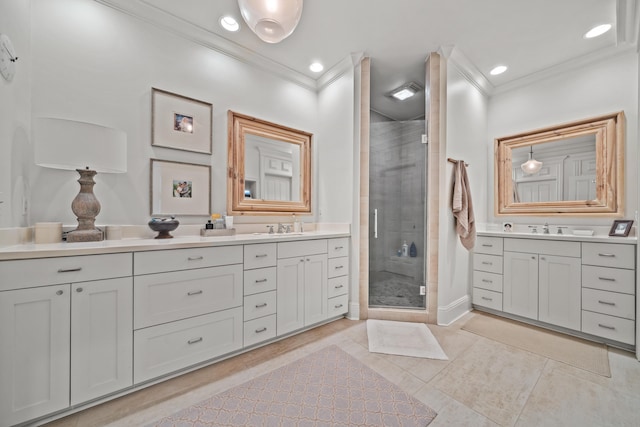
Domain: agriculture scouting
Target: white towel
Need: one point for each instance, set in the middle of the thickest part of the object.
(462, 207)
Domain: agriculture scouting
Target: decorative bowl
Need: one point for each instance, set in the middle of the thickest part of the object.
(163, 226)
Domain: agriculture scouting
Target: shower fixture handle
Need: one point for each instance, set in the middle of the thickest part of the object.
(375, 223)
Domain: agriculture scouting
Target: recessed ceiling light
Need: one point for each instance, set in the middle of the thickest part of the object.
(597, 31)
(405, 91)
(498, 70)
(316, 67)
(229, 23)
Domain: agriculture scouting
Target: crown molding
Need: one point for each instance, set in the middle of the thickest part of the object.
(150, 14)
(334, 73)
(467, 69)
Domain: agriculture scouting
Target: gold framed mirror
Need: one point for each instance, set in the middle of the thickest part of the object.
(575, 168)
(269, 167)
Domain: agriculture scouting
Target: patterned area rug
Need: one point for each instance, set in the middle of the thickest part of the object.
(326, 388)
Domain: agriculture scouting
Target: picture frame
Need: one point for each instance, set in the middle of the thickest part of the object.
(507, 227)
(621, 228)
(180, 122)
(179, 188)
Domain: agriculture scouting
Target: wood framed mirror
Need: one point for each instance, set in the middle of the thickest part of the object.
(581, 171)
(269, 167)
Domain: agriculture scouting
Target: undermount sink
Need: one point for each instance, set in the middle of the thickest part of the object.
(279, 234)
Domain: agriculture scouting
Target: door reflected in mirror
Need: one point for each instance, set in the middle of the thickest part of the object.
(269, 167)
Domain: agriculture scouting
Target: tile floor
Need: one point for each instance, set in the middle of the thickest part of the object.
(484, 383)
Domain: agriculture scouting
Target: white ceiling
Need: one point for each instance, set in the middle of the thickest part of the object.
(531, 37)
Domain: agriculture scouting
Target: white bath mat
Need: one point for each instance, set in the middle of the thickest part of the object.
(403, 339)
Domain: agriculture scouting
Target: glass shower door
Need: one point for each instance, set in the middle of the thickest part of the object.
(397, 201)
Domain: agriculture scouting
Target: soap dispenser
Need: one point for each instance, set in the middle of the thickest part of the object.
(405, 249)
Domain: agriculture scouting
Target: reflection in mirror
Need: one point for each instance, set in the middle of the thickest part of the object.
(581, 172)
(269, 167)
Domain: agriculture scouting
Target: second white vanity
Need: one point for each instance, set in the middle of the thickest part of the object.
(582, 286)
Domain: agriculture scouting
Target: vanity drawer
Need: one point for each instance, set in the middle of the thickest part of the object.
(488, 245)
(259, 305)
(610, 327)
(609, 279)
(488, 263)
(338, 247)
(338, 267)
(185, 259)
(259, 280)
(28, 273)
(609, 255)
(259, 330)
(543, 247)
(611, 303)
(259, 255)
(488, 299)
(165, 297)
(338, 286)
(488, 281)
(337, 306)
(166, 348)
(301, 248)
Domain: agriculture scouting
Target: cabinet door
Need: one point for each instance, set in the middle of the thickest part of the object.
(315, 289)
(290, 295)
(560, 291)
(34, 354)
(520, 294)
(101, 338)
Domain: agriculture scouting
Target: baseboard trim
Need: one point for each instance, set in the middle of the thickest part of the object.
(454, 311)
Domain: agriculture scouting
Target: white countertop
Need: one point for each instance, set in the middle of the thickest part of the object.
(600, 238)
(32, 250)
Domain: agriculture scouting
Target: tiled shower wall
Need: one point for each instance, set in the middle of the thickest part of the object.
(398, 190)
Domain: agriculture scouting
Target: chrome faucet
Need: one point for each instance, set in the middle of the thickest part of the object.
(545, 228)
(281, 228)
(270, 228)
(534, 229)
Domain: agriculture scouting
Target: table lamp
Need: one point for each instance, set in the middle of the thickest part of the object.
(88, 148)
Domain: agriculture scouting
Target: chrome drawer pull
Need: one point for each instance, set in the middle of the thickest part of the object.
(337, 248)
(195, 340)
(264, 304)
(69, 270)
(194, 293)
(338, 286)
(606, 326)
(59, 292)
(79, 289)
(338, 306)
(487, 246)
(606, 302)
(487, 299)
(607, 279)
(487, 281)
(195, 258)
(338, 267)
(261, 330)
(487, 263)
(261, 280)
(607, 255)
(261, 255)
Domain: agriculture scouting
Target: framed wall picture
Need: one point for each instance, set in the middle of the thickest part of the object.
(621, 227)
(181, 123)
(180, 188)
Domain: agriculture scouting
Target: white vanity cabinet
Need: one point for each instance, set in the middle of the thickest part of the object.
(64, 341)
(338, 276)
(259, 293)
(301, 284)
(186, 316)
(487, 272)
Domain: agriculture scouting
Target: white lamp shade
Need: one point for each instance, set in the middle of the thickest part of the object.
(271, 20)
(70, 145)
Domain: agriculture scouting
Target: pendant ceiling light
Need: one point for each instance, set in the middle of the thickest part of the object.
(531, 165)
(271, 20)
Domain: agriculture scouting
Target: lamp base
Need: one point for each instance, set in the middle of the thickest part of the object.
(75, 236)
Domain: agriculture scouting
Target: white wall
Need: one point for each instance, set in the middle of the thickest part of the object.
(466, 129)
(604, 87)
(15, 117)
(92, 63)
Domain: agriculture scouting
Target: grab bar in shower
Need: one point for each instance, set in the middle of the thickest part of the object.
(375, 223)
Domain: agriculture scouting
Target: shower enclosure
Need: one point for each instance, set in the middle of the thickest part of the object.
(397, 200)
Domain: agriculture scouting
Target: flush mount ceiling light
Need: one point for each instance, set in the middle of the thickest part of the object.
(405, 91)
(229, 23)
(271, 20)
(316, 67)
(597, 31)
(498, 70)
(531, 165)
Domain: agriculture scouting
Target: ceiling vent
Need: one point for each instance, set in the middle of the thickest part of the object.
(405, 91)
